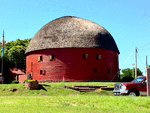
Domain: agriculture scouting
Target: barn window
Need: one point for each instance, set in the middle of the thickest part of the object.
(85, 56)
(98, 56)
(95, 70)
(40, 58)
(108, 71)
(51, 57)
(41, 72)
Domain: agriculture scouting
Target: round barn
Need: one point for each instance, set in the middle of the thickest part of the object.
(73, 48)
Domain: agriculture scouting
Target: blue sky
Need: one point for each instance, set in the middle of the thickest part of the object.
(128, 21)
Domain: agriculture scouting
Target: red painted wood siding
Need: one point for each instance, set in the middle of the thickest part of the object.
(69, 62)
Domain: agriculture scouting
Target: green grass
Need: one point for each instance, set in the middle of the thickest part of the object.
(74, 104)
(52, 98)
(52, 89)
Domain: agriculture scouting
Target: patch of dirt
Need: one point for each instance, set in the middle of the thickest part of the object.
(3, 90)
(13, 90)
(43, 94)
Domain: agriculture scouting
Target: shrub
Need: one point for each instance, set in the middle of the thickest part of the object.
(127, 79)
(28, 80)
(32, 80)
(15, 82)
(25, 80)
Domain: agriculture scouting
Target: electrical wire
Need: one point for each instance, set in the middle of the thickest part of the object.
(128, 57)
(145, 45)
(143, 49)
(140, 59)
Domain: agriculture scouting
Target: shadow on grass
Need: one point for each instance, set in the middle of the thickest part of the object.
(41, 87)
(46, 85)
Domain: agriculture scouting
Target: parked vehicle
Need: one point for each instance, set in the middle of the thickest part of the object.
(135, 88)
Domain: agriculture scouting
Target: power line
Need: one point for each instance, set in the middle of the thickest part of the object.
(128, 57)
(143, 49)
(145, 45)
(140, 59)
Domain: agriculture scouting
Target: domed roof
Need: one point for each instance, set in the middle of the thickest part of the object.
(71, 32)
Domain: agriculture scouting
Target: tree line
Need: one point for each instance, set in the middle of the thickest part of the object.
(129, 74)
(14, 53)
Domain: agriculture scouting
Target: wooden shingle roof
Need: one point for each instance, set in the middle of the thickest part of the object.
(70, 31)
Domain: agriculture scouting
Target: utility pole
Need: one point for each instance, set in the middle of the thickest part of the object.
(146, 62)
(133, 69)
(148, 80)
(135, 62)
(2, 55)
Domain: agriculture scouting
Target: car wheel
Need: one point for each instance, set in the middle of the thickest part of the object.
(132, 93)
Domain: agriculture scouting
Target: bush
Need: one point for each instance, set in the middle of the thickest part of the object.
(25, 80)
(15, 82)
(28, 80)
(127, 79)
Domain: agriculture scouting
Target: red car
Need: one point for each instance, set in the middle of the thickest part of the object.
(135, 88)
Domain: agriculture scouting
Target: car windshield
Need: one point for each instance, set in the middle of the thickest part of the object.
(138, 79)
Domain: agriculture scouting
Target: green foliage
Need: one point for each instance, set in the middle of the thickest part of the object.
(28, 80)
(128, 74)
(14, 52)
(25, 80)
(31, 80)
(15, 82)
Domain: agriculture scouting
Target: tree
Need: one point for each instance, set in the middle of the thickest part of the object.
(139, 72)
(14, 52)
(129, 74)
(16, 55)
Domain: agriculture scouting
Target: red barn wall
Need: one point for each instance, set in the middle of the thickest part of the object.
(69, 62)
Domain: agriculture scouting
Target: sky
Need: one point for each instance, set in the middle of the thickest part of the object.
(128, 21)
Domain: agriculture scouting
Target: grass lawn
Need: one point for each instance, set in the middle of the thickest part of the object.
(52, 98)
(52, 89)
